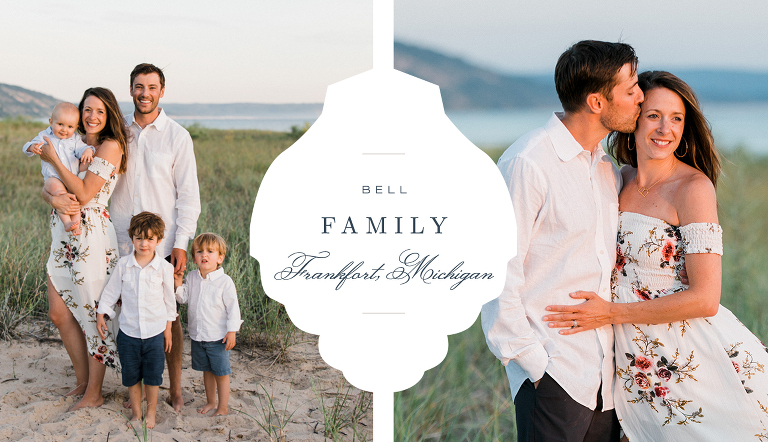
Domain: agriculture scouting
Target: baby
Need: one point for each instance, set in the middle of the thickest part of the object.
(69, 147)
(144, 282)
(214, 318)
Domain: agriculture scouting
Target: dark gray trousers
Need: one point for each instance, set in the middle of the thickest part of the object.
(549, 414)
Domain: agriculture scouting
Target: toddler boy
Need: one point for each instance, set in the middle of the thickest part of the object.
(214, 318)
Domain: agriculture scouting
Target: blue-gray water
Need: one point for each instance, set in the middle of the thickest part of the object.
(732, 124)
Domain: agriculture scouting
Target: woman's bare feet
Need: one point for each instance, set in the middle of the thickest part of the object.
(221, 412)
(78, 390)
(87, 403)
(208, 407)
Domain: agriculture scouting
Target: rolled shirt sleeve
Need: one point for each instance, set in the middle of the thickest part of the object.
(182, 293)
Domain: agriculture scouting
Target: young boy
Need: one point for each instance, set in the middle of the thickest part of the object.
(214, 318)
(69, 147)
(144, 282)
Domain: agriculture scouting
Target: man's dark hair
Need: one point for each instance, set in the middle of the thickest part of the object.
(590, 66)
(147, 68)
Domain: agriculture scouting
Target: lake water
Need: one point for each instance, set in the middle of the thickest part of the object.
(732, 124)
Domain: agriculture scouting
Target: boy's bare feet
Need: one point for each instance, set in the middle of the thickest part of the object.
(221, 412)
(83, 403)
(150, 419)
(208, 407)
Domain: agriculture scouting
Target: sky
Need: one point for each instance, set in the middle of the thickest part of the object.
(289, 51)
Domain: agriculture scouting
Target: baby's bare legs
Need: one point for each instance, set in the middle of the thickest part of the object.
(55, 187)
(151, 392)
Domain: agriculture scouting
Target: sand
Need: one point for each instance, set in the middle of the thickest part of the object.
(33, 406)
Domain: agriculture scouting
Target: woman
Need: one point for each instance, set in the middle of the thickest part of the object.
(686, 369)
(80, 265)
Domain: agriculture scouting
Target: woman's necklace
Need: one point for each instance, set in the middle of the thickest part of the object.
(644, 190)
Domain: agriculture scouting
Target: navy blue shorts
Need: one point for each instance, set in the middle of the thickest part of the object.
(211, 356)
(142, 359)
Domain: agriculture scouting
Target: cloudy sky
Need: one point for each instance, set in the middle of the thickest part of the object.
(279, 51)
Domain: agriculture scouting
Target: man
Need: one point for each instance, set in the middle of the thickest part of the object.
(161, 178)
(564, 190)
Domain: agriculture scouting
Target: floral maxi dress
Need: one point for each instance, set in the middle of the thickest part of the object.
(701, 379)
(80, 265)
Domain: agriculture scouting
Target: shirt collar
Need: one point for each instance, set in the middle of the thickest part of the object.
(600, 153)
(214, 275)
(155, 263)
(160, 122)
(565, 145)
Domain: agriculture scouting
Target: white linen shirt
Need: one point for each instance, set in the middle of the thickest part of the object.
(161, 178)
(68, 150)
(566, 209)
(213, 308)
(147, 294)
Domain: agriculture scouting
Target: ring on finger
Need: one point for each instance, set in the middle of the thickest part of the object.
(575, 324)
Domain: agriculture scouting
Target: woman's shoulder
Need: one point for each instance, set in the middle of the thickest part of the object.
(694, 181)
(108, 145)
(695, 198)
(110, 151)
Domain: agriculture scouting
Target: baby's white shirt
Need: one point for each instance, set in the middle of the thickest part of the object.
(69, 151)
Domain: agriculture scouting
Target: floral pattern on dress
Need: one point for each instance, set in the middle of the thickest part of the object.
(80, 265)
(653, 375)
(698, 379)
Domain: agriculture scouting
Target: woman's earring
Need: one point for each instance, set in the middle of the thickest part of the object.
(684, 153)
(629, 143)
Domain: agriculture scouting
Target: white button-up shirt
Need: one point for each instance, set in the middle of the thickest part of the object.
(566, 207)
(68, 150)
(213, 307)
(161, 178)
(147, 296)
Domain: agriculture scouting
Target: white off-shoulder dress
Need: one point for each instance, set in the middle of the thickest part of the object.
(701, 379)
(80, 265)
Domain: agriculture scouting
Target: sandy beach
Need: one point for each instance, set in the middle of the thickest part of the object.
(35, 374)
